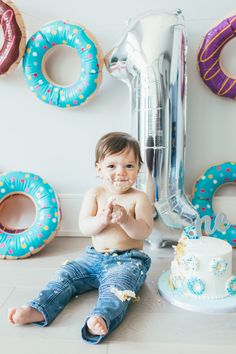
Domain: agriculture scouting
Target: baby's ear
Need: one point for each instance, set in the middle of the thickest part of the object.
(98, 168)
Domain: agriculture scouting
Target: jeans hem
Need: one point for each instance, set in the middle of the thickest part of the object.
(39, 308)
(90, 338)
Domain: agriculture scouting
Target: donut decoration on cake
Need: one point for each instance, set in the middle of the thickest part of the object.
(189, 262)
(204, 190)
(218, 266)
(22, 243)
(231, 286)
(196, 286)
(190, 232)
(13, 28)
(86, 83)
(209, 63)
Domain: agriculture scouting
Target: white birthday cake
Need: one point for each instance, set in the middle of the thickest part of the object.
(202, 267)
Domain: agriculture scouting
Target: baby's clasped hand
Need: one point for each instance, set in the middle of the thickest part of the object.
(113, 213)
(106, 214)
(119, 214)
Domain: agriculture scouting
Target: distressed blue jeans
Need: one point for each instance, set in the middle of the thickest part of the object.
(109, 272)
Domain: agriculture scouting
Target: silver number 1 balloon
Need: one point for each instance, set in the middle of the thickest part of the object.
(151, 59)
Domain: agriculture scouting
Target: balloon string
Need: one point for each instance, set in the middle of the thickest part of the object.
(43, 20)
(33, 17)
(202, 19)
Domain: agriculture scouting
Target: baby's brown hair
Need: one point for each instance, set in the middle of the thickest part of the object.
(115, 142)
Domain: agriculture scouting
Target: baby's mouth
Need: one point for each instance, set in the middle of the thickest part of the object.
(120, 180)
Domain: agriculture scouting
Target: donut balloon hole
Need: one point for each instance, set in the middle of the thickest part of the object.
(12, 46)
(40, 48)
(30, 214)
(210, 66)
(17, 213)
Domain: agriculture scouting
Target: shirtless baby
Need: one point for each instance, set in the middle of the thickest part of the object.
(118, 217)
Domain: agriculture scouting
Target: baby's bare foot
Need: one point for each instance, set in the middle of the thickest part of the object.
(97, 326)
(23, 315)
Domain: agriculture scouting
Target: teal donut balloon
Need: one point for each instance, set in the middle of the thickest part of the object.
(23, 243)
(90, 55)
(204, 190)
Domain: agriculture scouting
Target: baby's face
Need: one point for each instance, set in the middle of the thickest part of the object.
(119, 171)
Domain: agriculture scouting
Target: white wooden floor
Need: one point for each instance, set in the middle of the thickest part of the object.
(151, 326)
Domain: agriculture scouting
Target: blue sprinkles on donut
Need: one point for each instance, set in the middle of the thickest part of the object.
(196, 286)
(218, 266)
(75, 36)
(231, 286)
(204, 190)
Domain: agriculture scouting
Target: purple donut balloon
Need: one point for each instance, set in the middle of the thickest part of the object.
(209, 64)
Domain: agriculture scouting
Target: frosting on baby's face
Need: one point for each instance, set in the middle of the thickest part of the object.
(119, 171)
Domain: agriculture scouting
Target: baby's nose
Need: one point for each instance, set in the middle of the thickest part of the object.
(120, 170)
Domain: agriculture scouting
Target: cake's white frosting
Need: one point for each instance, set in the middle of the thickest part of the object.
(203, 268)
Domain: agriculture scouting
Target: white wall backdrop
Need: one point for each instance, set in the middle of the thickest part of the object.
(59, 144)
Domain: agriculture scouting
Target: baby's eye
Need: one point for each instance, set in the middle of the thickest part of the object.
(129, 165)
(110, 166)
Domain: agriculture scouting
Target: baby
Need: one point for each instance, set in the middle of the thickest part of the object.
(118, 218)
